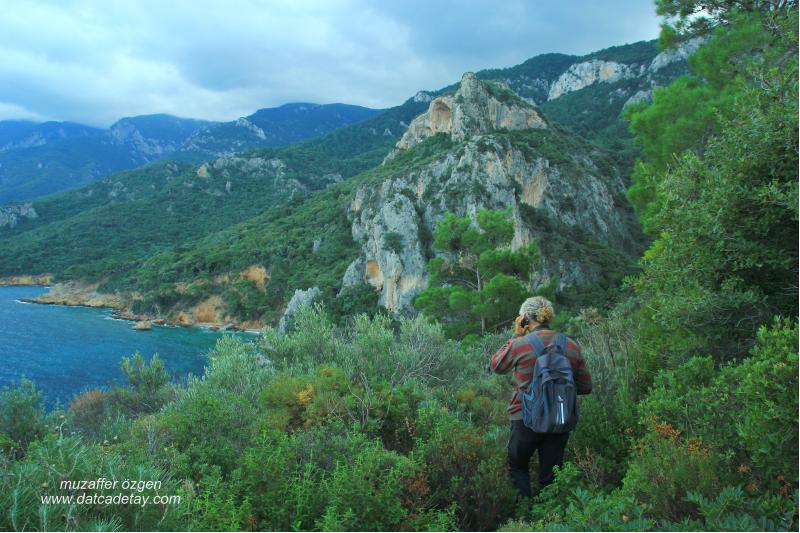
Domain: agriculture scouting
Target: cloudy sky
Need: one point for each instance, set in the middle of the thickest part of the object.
(97, 61)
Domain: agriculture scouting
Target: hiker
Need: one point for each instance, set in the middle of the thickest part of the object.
(520, 354)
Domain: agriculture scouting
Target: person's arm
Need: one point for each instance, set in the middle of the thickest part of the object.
(502, 360)
(583, 379)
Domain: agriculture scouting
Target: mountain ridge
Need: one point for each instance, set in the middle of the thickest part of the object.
(557, 155)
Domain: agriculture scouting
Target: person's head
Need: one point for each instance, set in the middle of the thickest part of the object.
(537, 309)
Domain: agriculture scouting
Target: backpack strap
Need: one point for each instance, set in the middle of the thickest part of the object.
(536, 342)
(561, 342)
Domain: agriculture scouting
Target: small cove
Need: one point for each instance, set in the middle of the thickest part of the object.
(68, 350)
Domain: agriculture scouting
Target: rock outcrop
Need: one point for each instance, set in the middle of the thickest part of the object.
(12, 215)
(470, 111)
(485, 170)
(300, 298)
(586, 73)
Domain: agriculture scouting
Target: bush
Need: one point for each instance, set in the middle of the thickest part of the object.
(88, 412)
(568, 504)
(56, 459)
(238, 367)
(373, 492)
(148, 386)
(665, 467)
(466, 466)
(21, 415)
(767, 390)
(204, 428)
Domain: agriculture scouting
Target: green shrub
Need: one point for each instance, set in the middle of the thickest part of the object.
(21, 415)
(148, 386)
(56, 459)
(213, 507)
(237, 367)
(665, 467)
(203, 428)
(767, 391)
(466, 466)
(568, 504)
(373, 491)
(285, 493)
(88, 412)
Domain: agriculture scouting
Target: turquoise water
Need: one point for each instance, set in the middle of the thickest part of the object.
(67, 350)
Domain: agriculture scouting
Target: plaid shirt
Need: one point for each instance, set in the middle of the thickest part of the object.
(518, 353)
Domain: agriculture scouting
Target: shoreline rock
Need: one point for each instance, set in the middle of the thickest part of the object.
(37, 279)
(77, 294)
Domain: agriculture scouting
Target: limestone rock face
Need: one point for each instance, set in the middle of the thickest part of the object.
(583, 74)
(470, 111)
(12, 215)
(299, 299)
(681, 53)
(389, 221)
(586, 73)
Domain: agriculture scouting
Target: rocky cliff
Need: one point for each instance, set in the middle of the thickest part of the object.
(500, 154)
(473, 109)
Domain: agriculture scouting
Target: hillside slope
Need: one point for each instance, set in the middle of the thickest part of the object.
(494, 151)
(39, 162)
(40, 165)
(108, 232)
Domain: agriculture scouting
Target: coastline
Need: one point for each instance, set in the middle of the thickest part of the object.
(16, 281)
(77, 294)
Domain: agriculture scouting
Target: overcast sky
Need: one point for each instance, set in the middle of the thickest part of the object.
(97, 61)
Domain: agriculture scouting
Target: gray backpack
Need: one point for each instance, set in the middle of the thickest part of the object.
(550, 403)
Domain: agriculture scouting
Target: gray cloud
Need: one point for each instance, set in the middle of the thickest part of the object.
(97, 61)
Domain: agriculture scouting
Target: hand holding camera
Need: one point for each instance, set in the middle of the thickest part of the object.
(521, 324)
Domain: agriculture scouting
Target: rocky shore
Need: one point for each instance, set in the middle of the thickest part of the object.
(40, 279)
(72, 293)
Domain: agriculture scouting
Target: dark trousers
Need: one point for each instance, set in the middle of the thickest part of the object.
(521, 445)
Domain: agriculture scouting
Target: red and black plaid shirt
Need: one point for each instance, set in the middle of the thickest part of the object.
(519, 354)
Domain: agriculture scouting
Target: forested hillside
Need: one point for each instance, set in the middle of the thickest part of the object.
(385, 421)
(160, 234)
(37, 160)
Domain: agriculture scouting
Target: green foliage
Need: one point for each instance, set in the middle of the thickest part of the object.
(465, 467)
(21, 416)
(686, 114)
(148, 385)
(767, 391)
(198, 430)
(568, 504)
(477, 275)
(354, 300)
(54, 459)
(725, 211)
(393, 241)
(665, 467)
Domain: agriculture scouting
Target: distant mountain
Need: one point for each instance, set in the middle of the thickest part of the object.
(544, 138)
(16, 134)
(276, 126)
(41, 159)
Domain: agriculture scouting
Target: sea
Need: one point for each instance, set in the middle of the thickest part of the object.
(68, 350)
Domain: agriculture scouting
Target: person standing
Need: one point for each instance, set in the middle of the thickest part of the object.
(518, 354)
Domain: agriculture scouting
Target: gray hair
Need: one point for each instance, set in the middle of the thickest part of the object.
(538, 308)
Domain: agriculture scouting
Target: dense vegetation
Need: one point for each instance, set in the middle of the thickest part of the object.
(111, 226)
(475, 274)
(78, 154)
(382, 424)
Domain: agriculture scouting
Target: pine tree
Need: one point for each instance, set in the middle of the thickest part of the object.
(477, 281)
